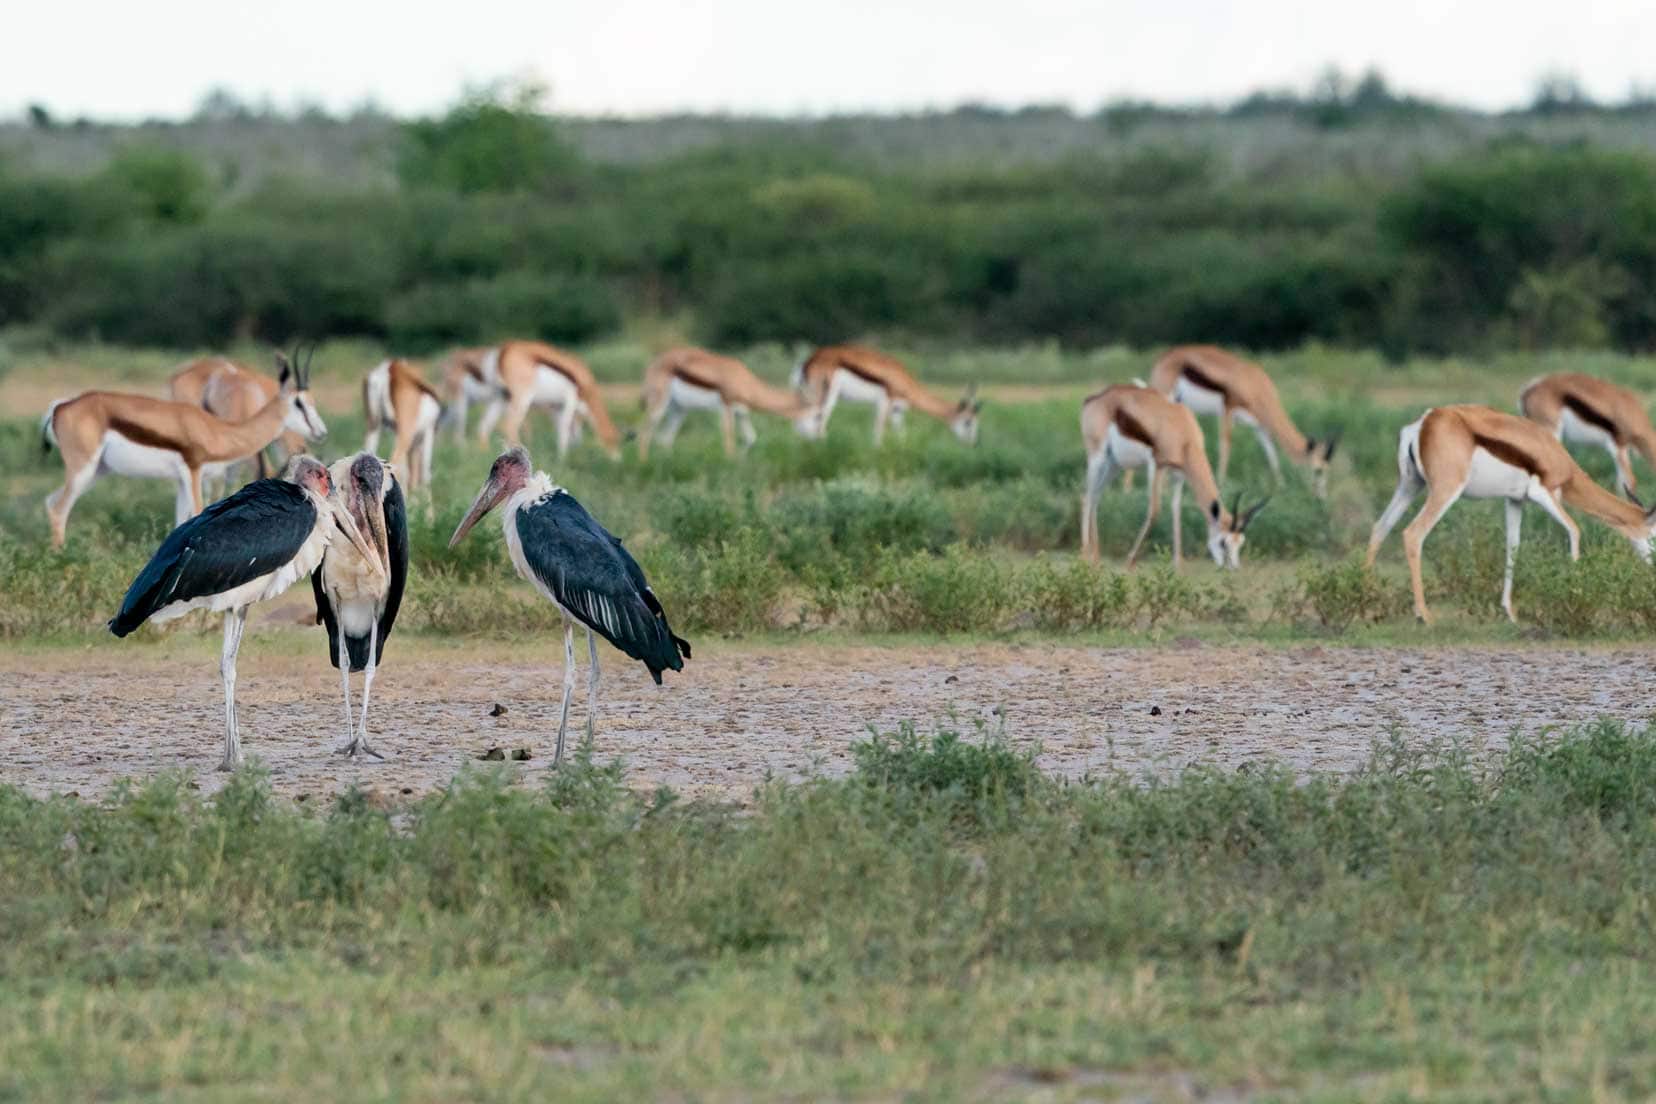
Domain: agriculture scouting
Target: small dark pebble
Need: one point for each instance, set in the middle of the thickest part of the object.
(493, 755)
(498, 710)
(408, 789)
(951, 678)
(1155, 710)
(520, 755)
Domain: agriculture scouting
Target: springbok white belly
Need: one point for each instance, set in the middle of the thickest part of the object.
(1198, 399)
(553, 388)
(854, 388)
(1577, 432)
(1126, 452)
(124, 457)
(1489, 477)
(689, 396)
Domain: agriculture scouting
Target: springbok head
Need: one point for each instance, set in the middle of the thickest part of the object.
(294, 373)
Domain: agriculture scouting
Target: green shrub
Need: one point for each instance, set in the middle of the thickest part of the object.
(1346, 592)
(960, 591)
(733, 586)
(1071, 595)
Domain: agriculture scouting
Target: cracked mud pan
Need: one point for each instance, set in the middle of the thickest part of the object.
(79, 721)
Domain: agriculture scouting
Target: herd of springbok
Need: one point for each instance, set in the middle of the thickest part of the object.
(224, 415)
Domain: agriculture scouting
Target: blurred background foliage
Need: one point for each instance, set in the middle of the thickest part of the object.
(1349, 215)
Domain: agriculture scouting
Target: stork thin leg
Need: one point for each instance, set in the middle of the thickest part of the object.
(592, 684)
(367, 689)
(568, 690)
(233, 622)
(345, 688)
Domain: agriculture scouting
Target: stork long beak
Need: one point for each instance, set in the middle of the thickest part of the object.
(348, 526)
(487, 499)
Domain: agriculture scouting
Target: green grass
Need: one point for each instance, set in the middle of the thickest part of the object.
(944, 923)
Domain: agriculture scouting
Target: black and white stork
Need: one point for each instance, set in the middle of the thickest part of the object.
(580, 567)
(357, 598)
(240, 550)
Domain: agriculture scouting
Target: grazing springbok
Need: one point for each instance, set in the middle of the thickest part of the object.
(856, 373)
(1582, 410)
(395, 396)
(531, 373)
(685, 379)
(1211, 381)
(99, 432)
(1451, 451)
(233, 391)
(1127, 426)
(463, 384)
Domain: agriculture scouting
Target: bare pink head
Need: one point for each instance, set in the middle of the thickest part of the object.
(511, 470)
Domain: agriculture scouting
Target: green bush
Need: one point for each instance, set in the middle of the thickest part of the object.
(1347, 592)
(960, 591)
(1070, 595)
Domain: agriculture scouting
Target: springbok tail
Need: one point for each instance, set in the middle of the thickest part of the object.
(48, 432)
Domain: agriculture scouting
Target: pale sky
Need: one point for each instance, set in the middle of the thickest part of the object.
(126, 59)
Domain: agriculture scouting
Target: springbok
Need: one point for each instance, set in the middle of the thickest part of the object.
(1211, 381)
(1451, 451)
(531, 373)
(1582, 410)
(463, 384)
(99, 432)
(857, 373)
(1127, 426)
(233, 391)
(685, 379)
(397, 397)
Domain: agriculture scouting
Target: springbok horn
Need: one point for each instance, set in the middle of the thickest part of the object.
(1633, 498)
(1253, 511)
(1236, 506)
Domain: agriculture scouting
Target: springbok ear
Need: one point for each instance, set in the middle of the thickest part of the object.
(284, 368)
(1213, 509)
(1333, 441)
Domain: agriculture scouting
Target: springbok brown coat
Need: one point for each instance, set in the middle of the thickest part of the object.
(687, 378)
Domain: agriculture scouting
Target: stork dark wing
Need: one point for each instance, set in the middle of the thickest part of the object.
(595, 579)
(396, 543)
(234, 541)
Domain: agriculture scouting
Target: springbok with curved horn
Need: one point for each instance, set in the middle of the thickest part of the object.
(857, 373)
(532, 373)
(233, 391)
(1127, 426)
(1211, 381)
(1582, 410)
(396, 396)
(685, 379)
(99, 432)
(1476, 452)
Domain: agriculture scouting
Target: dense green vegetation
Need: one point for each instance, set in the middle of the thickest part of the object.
(922, 534)
(1148, 226)
(944, 923)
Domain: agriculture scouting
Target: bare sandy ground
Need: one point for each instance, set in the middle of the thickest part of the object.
(78, 721)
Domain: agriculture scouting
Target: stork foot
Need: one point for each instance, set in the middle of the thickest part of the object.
(358, 747)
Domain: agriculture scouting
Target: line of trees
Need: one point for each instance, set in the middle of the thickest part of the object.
(499, 225)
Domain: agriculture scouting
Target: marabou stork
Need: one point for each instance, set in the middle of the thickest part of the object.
(582, 569)
(240, 550)
(357, 598)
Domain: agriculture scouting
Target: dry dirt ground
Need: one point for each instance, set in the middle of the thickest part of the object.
(79, 720)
